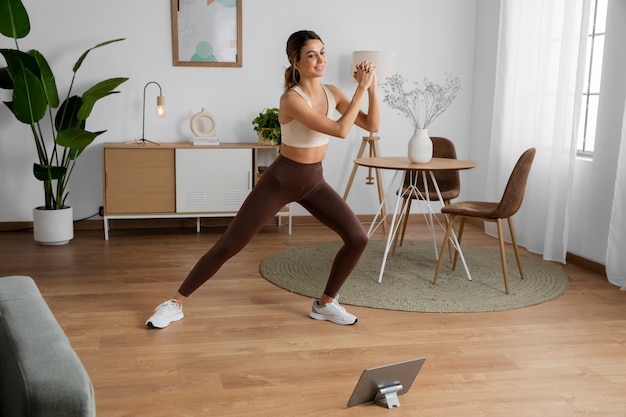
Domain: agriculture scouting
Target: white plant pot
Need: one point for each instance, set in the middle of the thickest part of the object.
(53, 227)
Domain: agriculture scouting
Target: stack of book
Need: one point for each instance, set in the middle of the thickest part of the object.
(205, 140)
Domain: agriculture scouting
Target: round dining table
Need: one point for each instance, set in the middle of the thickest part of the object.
(402, 165)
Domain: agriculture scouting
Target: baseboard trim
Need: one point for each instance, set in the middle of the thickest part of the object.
(585, 263)
(15, 226)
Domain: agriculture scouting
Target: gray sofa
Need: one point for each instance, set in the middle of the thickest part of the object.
(40, 374)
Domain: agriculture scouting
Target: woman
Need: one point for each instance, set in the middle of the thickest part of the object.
(296, 175)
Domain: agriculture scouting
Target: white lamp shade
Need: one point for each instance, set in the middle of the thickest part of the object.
(384, 61)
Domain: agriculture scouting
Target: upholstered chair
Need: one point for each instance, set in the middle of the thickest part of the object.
(493, 211)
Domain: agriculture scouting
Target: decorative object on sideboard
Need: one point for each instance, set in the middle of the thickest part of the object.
(204, 128)
(35, 98)
(421, 106)
(267, 127)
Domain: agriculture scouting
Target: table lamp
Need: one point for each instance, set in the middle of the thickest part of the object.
(159, 109)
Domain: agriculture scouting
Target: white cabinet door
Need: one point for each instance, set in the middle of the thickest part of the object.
(212, 180)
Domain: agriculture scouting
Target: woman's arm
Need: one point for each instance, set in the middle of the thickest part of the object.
(369, 121)
(293, 107)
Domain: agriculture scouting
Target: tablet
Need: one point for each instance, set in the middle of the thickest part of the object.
(386, 382)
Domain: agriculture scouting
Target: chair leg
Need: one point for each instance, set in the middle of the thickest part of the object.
(406, 219)
(450, 247)
(503, 256)
(443, 247)
(515, 248)
(459, 237)
(401, 220)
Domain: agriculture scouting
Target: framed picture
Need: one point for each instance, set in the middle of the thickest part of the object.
(206, 33)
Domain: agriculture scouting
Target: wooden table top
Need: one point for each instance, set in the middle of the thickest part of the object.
(403, 163)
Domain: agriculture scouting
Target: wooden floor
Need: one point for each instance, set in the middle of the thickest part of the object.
(247, 348)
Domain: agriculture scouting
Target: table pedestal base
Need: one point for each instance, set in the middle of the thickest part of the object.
(401, 210)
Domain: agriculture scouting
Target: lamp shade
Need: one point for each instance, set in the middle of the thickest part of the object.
(384, 61)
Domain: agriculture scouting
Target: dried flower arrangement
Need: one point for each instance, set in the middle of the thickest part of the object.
(423, 104)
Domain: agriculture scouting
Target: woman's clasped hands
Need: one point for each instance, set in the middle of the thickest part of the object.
(365, 74)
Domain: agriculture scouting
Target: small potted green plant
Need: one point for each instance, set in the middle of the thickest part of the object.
(56, 123)
(267, 127)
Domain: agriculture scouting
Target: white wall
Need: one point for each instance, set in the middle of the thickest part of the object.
(486, 46)
(431, 38)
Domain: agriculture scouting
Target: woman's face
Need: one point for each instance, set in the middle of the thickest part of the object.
(312, 61)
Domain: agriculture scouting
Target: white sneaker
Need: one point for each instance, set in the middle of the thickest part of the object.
(332, 312)
(165, 313)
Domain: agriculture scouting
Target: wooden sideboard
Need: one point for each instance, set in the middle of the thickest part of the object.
(180, 179)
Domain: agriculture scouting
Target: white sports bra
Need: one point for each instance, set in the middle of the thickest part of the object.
(298, 135)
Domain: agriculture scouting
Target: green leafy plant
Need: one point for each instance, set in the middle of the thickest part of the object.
(266, 124)
(35, 96)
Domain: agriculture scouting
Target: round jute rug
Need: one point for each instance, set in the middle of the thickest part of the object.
(407, 281)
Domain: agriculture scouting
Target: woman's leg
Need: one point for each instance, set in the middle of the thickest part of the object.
(269, 195)
(331, 209)
(263, 202)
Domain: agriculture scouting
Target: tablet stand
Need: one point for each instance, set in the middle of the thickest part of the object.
(389, 395)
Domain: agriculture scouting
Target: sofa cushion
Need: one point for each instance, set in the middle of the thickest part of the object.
(41, 375)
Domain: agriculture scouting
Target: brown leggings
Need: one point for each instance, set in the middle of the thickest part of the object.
(283, 182)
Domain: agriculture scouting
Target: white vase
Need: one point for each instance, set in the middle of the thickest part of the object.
(420, 147)
(53, 227)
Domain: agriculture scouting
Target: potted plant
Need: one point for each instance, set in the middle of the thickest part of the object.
(58, 128)
(267, 127)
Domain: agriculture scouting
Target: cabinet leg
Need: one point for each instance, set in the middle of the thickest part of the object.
(106, 228)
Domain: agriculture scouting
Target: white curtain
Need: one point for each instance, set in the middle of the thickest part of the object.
(616, 247)
(537, 102)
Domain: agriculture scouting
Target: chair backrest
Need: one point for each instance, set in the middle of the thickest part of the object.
(516, 186)
(448, 180)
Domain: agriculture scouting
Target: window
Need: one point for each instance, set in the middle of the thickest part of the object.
(593, 74)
